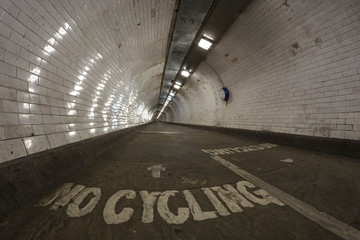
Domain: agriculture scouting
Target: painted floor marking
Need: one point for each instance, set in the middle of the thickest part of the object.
(242, 149)
(159, 132)
(330, 223)
(244, 196)
(287, 160)
(155, 170)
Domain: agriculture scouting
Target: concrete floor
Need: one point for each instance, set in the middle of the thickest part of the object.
(201, 207)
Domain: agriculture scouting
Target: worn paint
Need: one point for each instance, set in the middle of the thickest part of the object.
(65, 199)
(156, 170)
(59, 193)
(195, 209)
(149, 200)
(74, 210)
(233, 199)
(287, 160)
(265, 199)
(166, 214)
(215, 202)
(243, 149)
(109, 214)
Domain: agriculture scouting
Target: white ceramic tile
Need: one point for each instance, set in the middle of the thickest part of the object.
(11, 149)
(36, 144)
(18, 131)
(281, 78)
(2, 133)
(57, 139)
(72, 136)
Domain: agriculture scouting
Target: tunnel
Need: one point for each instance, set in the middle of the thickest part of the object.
(180, 119)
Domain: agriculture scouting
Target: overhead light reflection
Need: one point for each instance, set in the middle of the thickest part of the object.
(62, 31)
(49, 48)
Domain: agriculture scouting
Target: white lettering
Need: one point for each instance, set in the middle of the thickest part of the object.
(223, 151)
(60, 192)
(267, 198)
(255, 148)
(195, 209)
(73, 209)
(232, 198)
(64, 200)
(233, 150)
(149, 201)
(267, 145)
(211, 152)
(164, 211)
(216, 202)
(109, 214)
(246, 149)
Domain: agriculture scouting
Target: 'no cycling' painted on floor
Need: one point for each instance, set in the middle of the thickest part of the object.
(247, 194)
(243, 195)
(232, 150)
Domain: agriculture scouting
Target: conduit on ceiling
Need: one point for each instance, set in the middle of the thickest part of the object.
(212, 19)
(190, 16)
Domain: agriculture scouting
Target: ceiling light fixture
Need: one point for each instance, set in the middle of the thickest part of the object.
(204, 43)
(177, 86)
(185, 73)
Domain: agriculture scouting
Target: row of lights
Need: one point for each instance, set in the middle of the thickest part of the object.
(204, 43)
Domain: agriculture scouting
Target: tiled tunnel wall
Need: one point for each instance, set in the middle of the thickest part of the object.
(290, 66)
(71, 70)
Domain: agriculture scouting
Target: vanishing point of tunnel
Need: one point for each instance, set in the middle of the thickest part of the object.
(180, 119)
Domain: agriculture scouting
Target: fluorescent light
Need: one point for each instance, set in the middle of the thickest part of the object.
(185, 73)
(205, 44)
(177, 86)
(172, 94)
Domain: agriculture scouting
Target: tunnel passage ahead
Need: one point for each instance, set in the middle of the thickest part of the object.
(175, 182)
